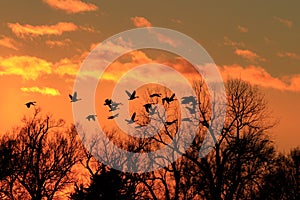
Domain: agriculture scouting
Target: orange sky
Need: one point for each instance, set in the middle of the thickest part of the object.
(42, 45)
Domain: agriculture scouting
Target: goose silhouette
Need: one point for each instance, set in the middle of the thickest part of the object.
(113, 116)
(30, 103)
(132, 119)
(131, 95)
(186, 120)
(152, 110)
(188, 100)
(107, 102)
(114, 106)
(147, 107)
(155, 95)
(91, 117)
(171, 122)
(168, 99)
(74, 97)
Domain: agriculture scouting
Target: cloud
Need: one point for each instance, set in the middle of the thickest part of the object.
(8, 42)
(285, 22)
(165, 39)
(242, 29)
(45, 90)
(177, 21)
(288, 55)
(89, 29)
(259, 76)
(30, 30)
(140, 22)
(249, 55)
(58, 43)
(67, 66)
(28, 67)
(71, 6)
(229, 42)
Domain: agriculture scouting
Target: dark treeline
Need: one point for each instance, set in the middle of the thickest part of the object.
(42, 159)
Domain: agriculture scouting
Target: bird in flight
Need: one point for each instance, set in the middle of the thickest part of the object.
(111, 104)
(108, 102)
(91, 117)
(147, 107)
(113, 116)
(131, 96)
(188, 100)
(152, 110)
(168, 99)
(114, 106)
(74, 97)
(30, 103)
(132, 119)
(155, 95)
(171, 122)
(186, 120)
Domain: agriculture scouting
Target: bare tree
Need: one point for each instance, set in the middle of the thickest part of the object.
(235, 169)
(45, 154)
(283, 181)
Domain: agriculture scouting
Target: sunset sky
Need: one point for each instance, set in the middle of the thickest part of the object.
(44, 42)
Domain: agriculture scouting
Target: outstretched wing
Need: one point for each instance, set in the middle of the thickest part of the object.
(71, 97)
(128, 93)
(133, 93)
(75, 95)
(133, 116)
(173, 95)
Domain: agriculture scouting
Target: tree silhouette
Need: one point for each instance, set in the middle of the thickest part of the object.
(106, 184)
(283, 180)
(44, 154)
(236, 167)
(38, 161)
(241, 157)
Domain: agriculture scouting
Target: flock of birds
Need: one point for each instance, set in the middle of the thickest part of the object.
(190, 101)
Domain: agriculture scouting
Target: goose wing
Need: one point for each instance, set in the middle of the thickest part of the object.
(173, 95)
(75, 95)
(128, 93)
(133, 93)
(133, 116)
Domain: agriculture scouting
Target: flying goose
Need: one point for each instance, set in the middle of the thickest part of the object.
(131, 96)
(30, 103)
(168, 99)
(132, 119)
(74, 97)
(91, 117)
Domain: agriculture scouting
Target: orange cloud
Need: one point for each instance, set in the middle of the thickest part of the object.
(58, 43)
(286, 22)
(249, 55)
(67, 67)
(229, 42)
(288, 55)
(45, 90)
(140, 22)
(29, 68)
(8, 42)
(242, 29)
(177, 21)
(259, 76)
(30, 30)
(71, 6)
(89, 29)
